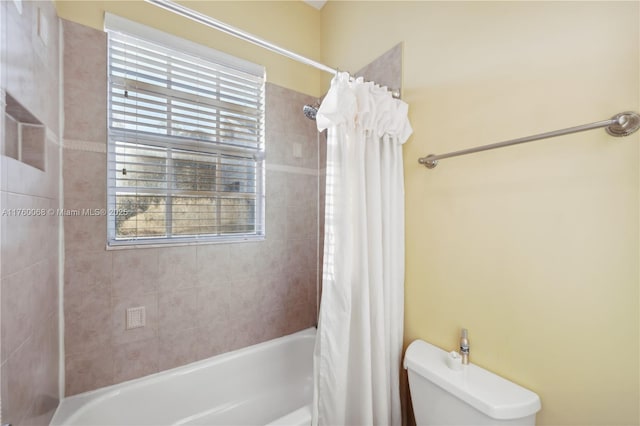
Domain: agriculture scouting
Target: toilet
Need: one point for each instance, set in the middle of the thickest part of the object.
(472, 396)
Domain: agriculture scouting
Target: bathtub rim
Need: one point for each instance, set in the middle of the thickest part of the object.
(71, 405)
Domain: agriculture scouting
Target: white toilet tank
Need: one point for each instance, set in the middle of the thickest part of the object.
(471, 396)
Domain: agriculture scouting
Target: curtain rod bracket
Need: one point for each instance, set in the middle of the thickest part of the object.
(622, 124)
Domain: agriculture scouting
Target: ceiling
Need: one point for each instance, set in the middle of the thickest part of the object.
(315, 3)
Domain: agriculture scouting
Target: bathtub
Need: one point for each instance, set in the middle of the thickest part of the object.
(270, 383)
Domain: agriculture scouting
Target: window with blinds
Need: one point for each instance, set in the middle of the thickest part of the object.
(185, 157)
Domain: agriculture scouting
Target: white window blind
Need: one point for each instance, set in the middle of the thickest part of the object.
(185, 158)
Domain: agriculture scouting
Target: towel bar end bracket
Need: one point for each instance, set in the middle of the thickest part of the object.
(626, 123)
(428, 162)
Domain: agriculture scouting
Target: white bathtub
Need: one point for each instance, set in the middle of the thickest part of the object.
(268, 383)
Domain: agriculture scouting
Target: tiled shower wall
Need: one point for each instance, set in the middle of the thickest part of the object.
(200, 300)
(386, 69)
(29, 250)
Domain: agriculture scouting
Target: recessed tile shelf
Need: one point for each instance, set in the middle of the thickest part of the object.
(24, 135)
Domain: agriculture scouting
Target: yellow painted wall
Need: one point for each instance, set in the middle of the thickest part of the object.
(293, 25)
(535, 248)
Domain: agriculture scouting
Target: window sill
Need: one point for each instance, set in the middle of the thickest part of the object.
(123, 245)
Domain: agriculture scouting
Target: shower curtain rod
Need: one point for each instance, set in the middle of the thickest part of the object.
(622, 124)
(236, 32)
(243, 35)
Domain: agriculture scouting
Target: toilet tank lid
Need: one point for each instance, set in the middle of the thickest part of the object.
(487, 392)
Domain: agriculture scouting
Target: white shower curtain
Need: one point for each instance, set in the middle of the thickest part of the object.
(359, 339)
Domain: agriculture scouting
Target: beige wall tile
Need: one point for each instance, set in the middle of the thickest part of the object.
(276, 199)
(17, 314)
(27, 180)
(88, 316)
(135, 359)
(18, 377)
(176, 348)
(246, 297)
(89, 371)
(284, 112)
(219, 338)
(177, 268)
(45, 376)
(52, 164)
(11, 143)
(134, 272)
(44, 300)
(301, 254)
(33, 146)
(212, 308)
(84, 232)
(86, 271)
(85, 176)
(281, 151)
(25, 237)
(213, 264)
(274, 255)
(4, 178)
(386, 70)
(303, 190)
(216, 338)
(85, 83)
(246, 260)
(177, 310)
(30, 378)
(302, 221)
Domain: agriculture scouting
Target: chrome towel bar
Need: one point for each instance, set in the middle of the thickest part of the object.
(619, 125)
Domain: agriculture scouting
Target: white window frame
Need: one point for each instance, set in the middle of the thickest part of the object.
(118, 24)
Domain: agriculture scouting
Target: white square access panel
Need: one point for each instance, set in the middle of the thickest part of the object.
(136, 317)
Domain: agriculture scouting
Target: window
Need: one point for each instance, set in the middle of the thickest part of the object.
(185, 157)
